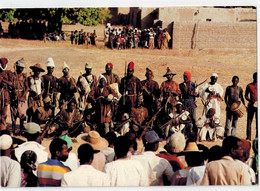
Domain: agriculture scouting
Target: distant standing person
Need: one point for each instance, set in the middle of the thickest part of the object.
(251, 97)
(93, 38)
(233, 94)
(72, 37)
(76, 36)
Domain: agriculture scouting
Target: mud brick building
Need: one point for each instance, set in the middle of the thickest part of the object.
(196, 27)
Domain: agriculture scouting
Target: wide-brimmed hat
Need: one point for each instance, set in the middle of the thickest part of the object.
(191, 147)
(168, 72)
(94, 139)
(37, 67)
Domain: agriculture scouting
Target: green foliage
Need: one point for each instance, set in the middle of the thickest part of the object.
(85, 16)
(7, 15)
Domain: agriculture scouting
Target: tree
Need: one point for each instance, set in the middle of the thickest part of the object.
(7, 15)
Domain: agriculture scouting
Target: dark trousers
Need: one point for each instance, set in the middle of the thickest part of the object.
(251, 111)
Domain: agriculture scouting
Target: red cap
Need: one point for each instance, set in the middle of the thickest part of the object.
(110, 64)
(188, 74)
(131, 65)
(4, 60)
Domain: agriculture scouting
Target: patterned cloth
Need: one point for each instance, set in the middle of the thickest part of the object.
(51, 172)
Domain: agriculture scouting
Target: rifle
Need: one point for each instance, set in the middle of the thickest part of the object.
(52, 120)
(197, 85)
(122, 124)
(124, 90)
(149, 123)
(49, 123)
(167, 123)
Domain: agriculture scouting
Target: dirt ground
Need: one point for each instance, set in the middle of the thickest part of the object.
(225, 62)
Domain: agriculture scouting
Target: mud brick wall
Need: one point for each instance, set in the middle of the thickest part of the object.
(215, 35)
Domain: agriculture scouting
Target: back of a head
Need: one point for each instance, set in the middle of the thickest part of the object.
(175, 143)
(85, 154)
(32, 137)
(246, 146)
(56, 145)
(122, 146)
(28, 160)
(111, 138)
(229, 143)
(215, 153)
(205, 151)
(131, 137)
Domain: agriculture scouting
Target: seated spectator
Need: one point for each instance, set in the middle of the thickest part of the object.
(86, 174)
(210, 128)
(181, 121)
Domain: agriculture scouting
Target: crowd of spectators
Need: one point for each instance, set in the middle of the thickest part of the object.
(126, 37)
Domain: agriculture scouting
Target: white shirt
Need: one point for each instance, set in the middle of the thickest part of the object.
(99, 161)
(72, 161)
(10, 172)
(109, 154)
(42, 155)
(195, 175)
(85, 175)
(154, 167)
(217, 89)
(126, 172)
(36, 85)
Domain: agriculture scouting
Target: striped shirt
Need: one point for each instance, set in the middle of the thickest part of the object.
(51, 172)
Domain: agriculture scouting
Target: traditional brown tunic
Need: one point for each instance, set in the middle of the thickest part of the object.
(113, 78)
(131, 87)
(103, 106)
(18, 96)
(4, 96)
(67, 87)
